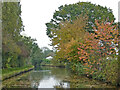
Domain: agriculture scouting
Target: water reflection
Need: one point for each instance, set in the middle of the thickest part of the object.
(48, 77)
(51, 77)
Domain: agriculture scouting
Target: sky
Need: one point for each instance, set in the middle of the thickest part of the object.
(35, 13)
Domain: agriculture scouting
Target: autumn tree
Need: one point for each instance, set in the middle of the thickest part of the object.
(68, 33)
(99, 51)
(71, 11)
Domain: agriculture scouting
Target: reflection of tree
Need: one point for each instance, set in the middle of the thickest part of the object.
(38, 68)
(44, 73)
(42, 68)
(59, 73)
(34, 78)
(37, 76)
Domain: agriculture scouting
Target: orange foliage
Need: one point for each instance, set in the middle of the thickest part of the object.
(98, 45)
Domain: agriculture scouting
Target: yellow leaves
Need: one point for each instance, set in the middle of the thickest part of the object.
(94, 61)
(67, 37)
(88, 60)
(92, 72)
(88, 65)
(85, 63)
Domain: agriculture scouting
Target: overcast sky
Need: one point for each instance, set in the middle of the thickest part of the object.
(35, 13)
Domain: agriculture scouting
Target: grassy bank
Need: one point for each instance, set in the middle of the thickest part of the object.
(84, 82)
(10, 72)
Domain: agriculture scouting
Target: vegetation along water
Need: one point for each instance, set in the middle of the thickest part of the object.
(85, 52)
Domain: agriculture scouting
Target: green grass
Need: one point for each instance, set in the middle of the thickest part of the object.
(12, 71)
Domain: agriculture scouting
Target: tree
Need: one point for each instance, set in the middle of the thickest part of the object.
(99, 52)
(46, 51)
(16, 49)
(11, 28)
(71, 11)
(68, 37)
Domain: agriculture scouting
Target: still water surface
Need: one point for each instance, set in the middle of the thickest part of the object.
(41, 77)
(52, 77)
(48, 77)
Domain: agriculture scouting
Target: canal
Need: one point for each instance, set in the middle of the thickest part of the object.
(52, 77)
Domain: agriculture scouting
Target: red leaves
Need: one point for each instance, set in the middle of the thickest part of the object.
(110, 28)
(96, 21)
(80, 58)
(98, 45)
(79, 49)
(102, 47)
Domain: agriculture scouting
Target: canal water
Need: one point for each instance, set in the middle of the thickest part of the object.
(52, 77)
